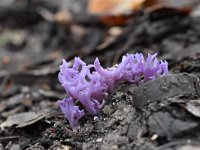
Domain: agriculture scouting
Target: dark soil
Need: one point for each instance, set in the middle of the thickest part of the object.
(163, 114)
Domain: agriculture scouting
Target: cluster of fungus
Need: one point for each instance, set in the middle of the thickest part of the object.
(90, 88)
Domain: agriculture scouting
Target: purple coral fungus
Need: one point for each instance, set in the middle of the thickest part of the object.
(91, 88)
(71, 112)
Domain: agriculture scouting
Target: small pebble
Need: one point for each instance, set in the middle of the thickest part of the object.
(154, 137)
(99, 140)
(96, 118)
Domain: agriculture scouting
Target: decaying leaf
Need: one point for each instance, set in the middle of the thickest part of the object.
(114, 7)
(114, 12)
(118, 12)
(115, 20)
(22, 119)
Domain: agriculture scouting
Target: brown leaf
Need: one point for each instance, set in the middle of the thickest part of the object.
(114, 7)
(118, 12)
(115, 20)
(114, 12)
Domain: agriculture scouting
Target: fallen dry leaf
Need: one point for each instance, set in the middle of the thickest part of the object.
(22, 119)
(114, 12)
(114, 7)
(115, 20)
(118, 12)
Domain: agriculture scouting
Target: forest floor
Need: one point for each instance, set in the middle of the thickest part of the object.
(163, 114)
